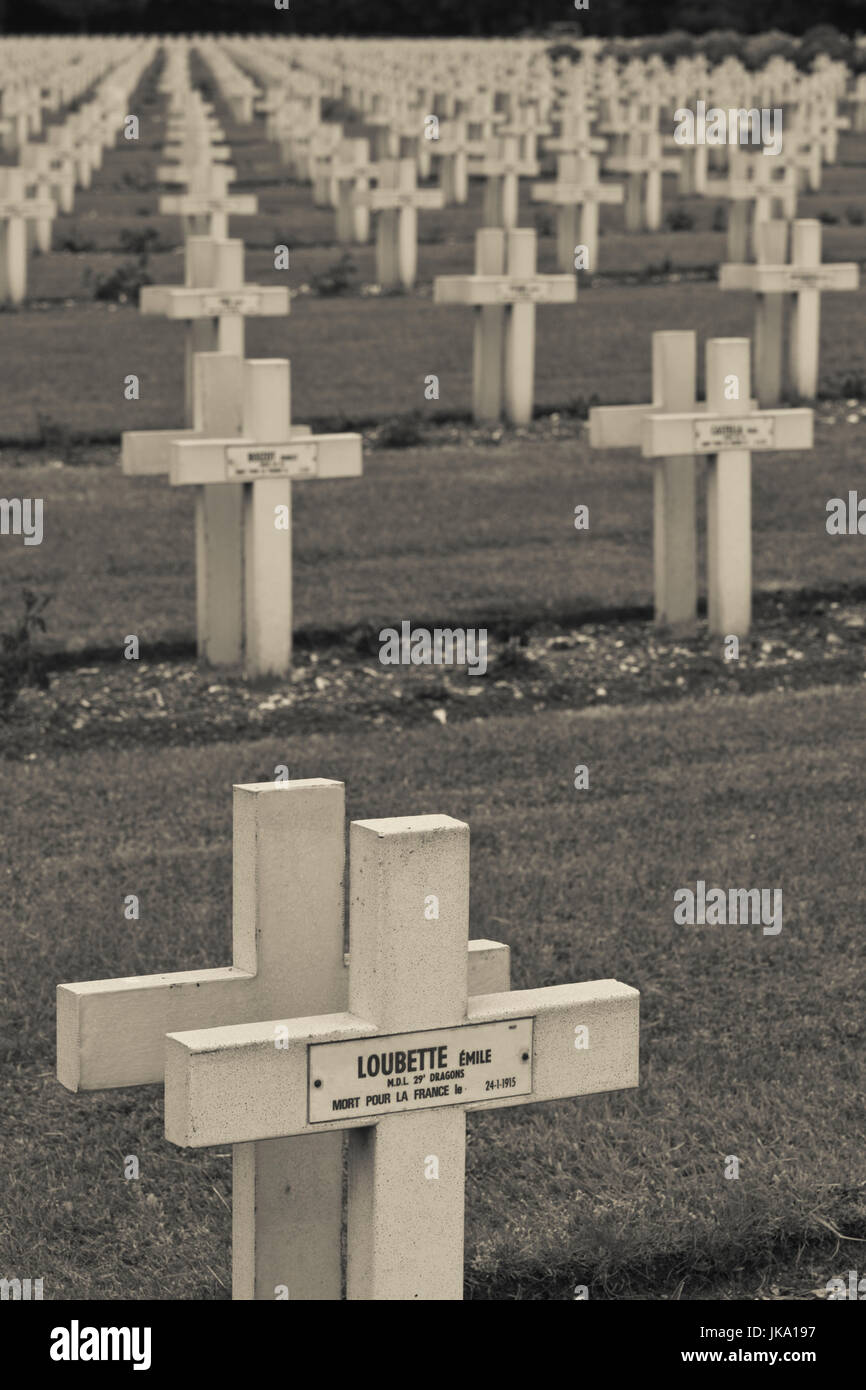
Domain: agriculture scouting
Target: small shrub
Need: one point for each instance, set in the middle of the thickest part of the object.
(74, 240)
(122, 285)
(20, 664)
(680, 220)
(339, 278)
(400, 432)
(827, 217)
(139, 241)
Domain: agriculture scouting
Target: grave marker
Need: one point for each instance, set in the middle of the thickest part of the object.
(724, 429)
(502, 170)
(287, 915)
(804, 280)
(577, 191)
(504, 291)
(396, 201)
(675, 546)
(408, 997)
(265, 460)
(16, 209)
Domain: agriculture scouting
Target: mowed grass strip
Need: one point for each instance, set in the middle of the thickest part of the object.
(366, 359)
(469, 536)
(751, 1044)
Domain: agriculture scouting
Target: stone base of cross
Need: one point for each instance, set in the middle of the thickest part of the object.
(288, 961)
(671, 431)
(802, 281)
(504, 291)
(397, 1070)
(265, 458)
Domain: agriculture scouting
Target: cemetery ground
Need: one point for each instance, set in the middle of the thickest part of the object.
(752, 769)
(750, 1044)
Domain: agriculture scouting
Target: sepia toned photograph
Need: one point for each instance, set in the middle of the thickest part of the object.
(433, 666)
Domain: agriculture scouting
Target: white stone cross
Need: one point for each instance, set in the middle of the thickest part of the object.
(288, 877)
(577, 192)
(504, 291)
(675, 546)
(502, 169)
(399, 1069)
(644, 167)
(723, 429)
(213, 303)
(804, 279)
(15, 211)
(265, 458)
(206, 208)
(753, 190)
(396, 202)
(350, 170)
(453, 148)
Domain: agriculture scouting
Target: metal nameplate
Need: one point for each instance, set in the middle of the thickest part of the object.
(811, 279)
(525, 291)
(231, 303)
(419, 1071)
(720, 436)
(245, 462)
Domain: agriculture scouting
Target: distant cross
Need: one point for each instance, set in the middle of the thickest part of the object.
(502, 170)
(644, 167)
(289, 867)
(577, 193)
(214, 301)
(754, 191)
(207, 213)
(399, 1069)
(396, 202)
(16, 209)
(723, 429)
(267, 456)
(504, 290)
(804, 280)
(675, 555)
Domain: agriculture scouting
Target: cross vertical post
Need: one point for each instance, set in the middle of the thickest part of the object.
(405, 1229)
(675, 555)
(729, 497)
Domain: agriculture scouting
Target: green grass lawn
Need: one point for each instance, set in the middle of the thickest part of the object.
(751, 1044)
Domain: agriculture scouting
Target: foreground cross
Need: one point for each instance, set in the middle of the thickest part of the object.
(804, 279)
(399, 1069)
(504, 291)
(265, 458)
(288, 879)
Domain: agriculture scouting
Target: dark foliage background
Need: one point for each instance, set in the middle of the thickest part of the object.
(419, 17)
